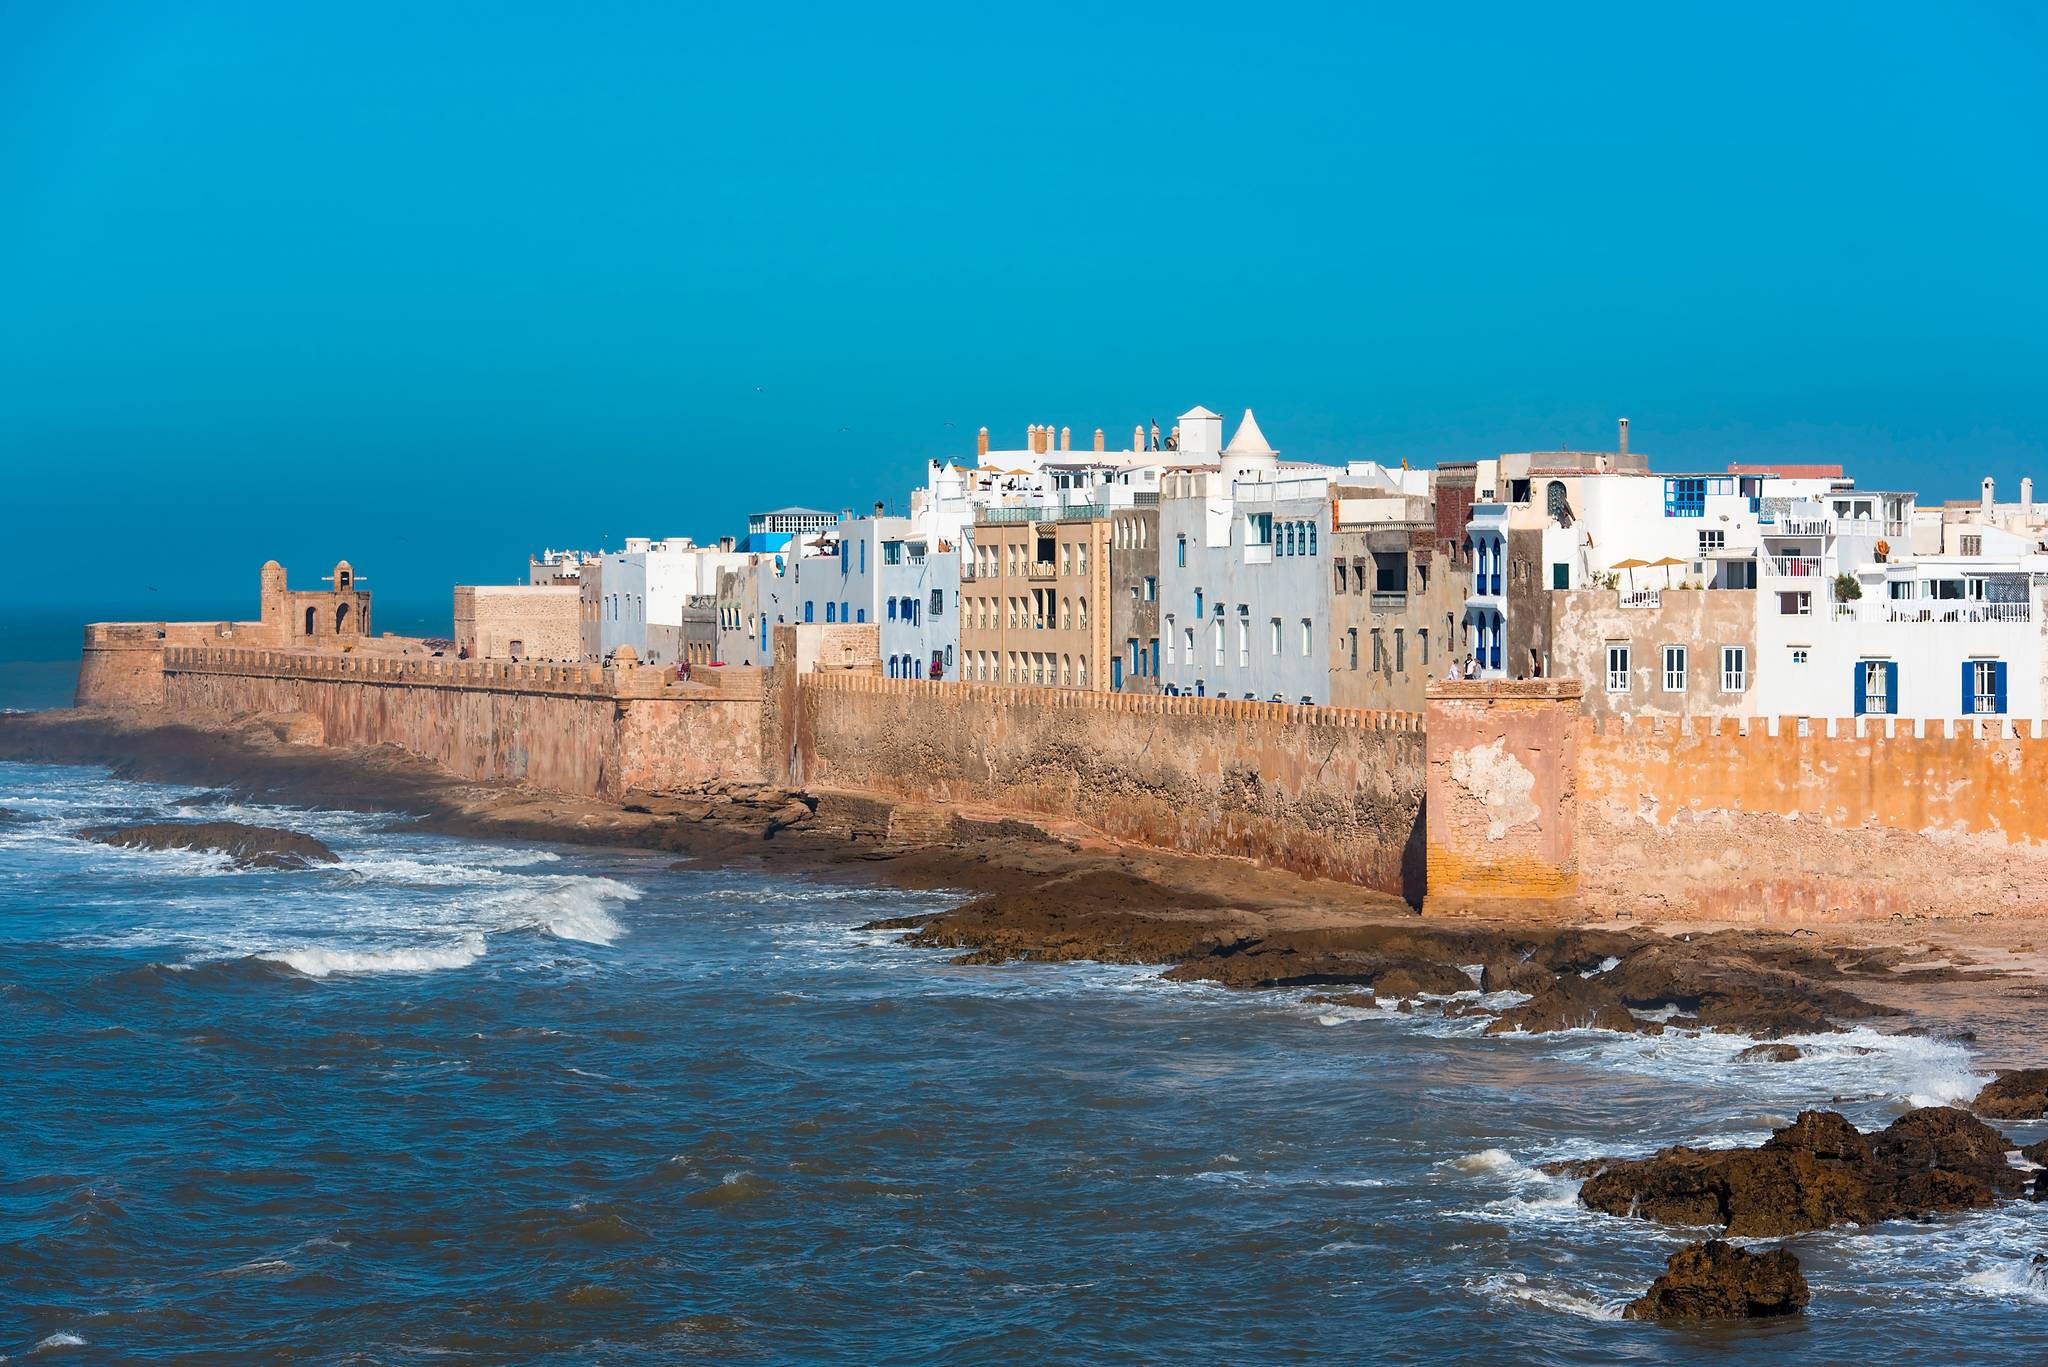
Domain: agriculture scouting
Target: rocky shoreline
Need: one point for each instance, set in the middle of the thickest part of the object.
(1055, 895)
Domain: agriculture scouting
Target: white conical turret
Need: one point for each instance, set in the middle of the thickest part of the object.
(1249, 458)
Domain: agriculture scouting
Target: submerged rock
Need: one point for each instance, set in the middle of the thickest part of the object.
(1525, 975)
(1770, 1053)
(1715, 1280)
(1816, 1172)
(2021, 1094)
(1568, 1003)
(250, 847)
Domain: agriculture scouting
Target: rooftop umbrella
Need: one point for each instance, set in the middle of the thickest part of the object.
(1666, 563)
(1631, 565)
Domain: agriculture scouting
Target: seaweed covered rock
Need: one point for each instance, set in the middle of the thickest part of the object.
(1715, 1280)
(249, 847)
(1816, 1172)
(2021, 1094)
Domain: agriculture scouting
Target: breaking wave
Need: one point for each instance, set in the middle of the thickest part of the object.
(322, 963)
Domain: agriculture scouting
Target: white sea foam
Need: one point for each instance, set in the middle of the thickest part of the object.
(1546, 1295)
(2027, 1281)
(63, 1338)
(316, 962)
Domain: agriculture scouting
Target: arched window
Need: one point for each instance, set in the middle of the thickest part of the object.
(831, 612)
(340, 618)
(1557, 503)
(1082, 606)
(309, 621)
(1311, 537)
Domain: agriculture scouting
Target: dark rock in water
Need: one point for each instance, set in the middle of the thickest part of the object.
(8, 814)
(1358, 999)
(2021, 1094)
(1816, 1172)
(1715, 1280)
(2036, 1152)
(1568, 1003)
(1770, 1053)
(1725, 989)
(250, 847)
(1526, 975)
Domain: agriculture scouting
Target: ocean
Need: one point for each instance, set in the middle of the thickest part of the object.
(458, 1101)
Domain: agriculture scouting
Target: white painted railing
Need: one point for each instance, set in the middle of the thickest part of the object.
(1914, 611)
(1793, 566)
(1641, 598)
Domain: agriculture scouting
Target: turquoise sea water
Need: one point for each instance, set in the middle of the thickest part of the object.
(452, 1101)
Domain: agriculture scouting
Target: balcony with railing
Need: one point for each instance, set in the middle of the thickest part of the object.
(1932, 610)
(1640, 598)
(1042, 569)
(1389, 601)
(1793, 566)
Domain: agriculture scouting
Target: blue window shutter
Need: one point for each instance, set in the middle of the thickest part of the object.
(2001, 688)
(1862, 698)
(1969, 691)
(1891, 687)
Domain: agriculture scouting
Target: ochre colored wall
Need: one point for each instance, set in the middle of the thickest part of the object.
(1712, 819)
(567, 728)
(1502, 792)
(1323, 791)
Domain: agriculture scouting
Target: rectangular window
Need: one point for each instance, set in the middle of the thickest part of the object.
(1340, 576)
(1984, 687)
(1713, 540)
(1244, 637)
(1617, 669)
(938, 602)
(1973, 545)
(1877, 687)
(1795, 604)
(1169, 641)
(1734, 669)
(1218, 641)
(1258, 529)
(1422, 640)
(892, 552)
(1151, 588)
(1198, 602)
(1275, 625)
(1181, 553)
(1187, 643)
(1400, 651)
(1560, 576)
(1685, 497)
(1308, 637)
(1379, 652)
(892, 609)
(1674, 669)
(1352, 635)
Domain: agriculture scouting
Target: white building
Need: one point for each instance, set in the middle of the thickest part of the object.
(642, 593)
(1243, 583)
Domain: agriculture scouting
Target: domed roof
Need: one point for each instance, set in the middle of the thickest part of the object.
(1249, 441)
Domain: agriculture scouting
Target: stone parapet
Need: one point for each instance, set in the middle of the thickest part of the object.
(501, 676)
(1137, 704)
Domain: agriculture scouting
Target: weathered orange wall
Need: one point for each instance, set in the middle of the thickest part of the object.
(1328, 792)
(1501, 792)
(567, 728)
(1713, 819)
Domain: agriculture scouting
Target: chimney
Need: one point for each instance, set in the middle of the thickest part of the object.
(981, 442)
(2027, 497)
(1066, 439)
(1988, 497)
(878, 507)
(726, 543)
(1624, 436)
(1138, 437)
(1098, 439)
(1031, 437)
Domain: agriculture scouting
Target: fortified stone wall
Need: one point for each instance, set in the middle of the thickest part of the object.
(1326, 792)
(567, 728)
(1857, 819)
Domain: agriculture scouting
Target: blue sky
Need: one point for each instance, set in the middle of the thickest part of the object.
(431, 285)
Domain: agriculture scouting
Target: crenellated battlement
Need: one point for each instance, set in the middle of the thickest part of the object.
(611, 682)
(1130, 704)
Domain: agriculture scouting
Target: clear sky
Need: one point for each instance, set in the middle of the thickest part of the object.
(431, 285)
